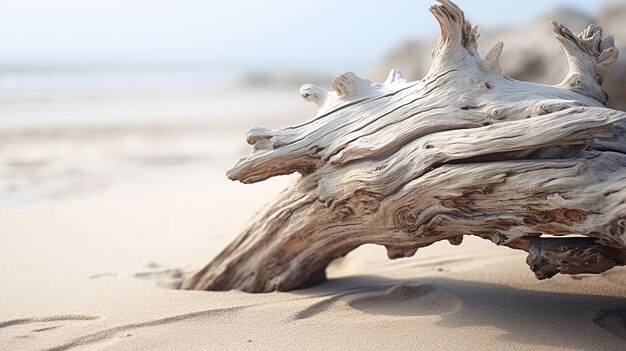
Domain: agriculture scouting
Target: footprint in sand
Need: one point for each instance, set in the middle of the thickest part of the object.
(169, 278)
(395, 300)
(407, 300)
(25, 328)
(104, 339)
(103, 275)
(26, 321)
(613, 320)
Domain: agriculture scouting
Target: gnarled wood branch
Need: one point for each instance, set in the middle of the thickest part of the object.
(465, 151)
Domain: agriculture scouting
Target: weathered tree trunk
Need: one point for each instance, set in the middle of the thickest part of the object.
(465, 151)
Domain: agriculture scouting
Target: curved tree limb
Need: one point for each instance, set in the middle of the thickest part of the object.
(465, 151)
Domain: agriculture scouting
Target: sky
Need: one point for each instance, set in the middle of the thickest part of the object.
(319, 35)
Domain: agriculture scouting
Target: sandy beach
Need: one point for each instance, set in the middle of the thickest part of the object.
(100, 220)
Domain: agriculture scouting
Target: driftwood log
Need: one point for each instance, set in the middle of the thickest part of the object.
(464, 151)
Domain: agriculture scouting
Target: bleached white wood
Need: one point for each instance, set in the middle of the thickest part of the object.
(465, 151)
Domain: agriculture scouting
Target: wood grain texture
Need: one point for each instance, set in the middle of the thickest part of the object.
(464, 151)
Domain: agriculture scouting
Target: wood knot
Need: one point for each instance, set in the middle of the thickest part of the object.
(573, 81)
(361, 203)
(620, 226)
(380, 167)
(496, 113)
(315, 150)
(543, 109)
(573, 215)
(544, 217)
(406, 219)
(553, 221)
(466, 200)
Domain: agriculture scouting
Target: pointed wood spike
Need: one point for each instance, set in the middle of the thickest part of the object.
(258, 136)
(589, 57)
(349, 84)
(314, 94)
(394, 76)
(472, 36)
(457, 38)
(492, 60)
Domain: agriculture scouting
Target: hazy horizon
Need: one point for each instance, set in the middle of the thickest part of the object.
(239, 35)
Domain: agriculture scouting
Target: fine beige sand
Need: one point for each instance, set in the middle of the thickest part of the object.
(99, 220)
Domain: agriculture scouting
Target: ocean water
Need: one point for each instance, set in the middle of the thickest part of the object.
(78, 131)
(15, 79)
(41, 97)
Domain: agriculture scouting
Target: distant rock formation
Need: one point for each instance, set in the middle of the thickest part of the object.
(279, 79)
(530, 52)
(613, 18)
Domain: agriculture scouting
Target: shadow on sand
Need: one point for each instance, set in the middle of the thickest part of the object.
(528, 317)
